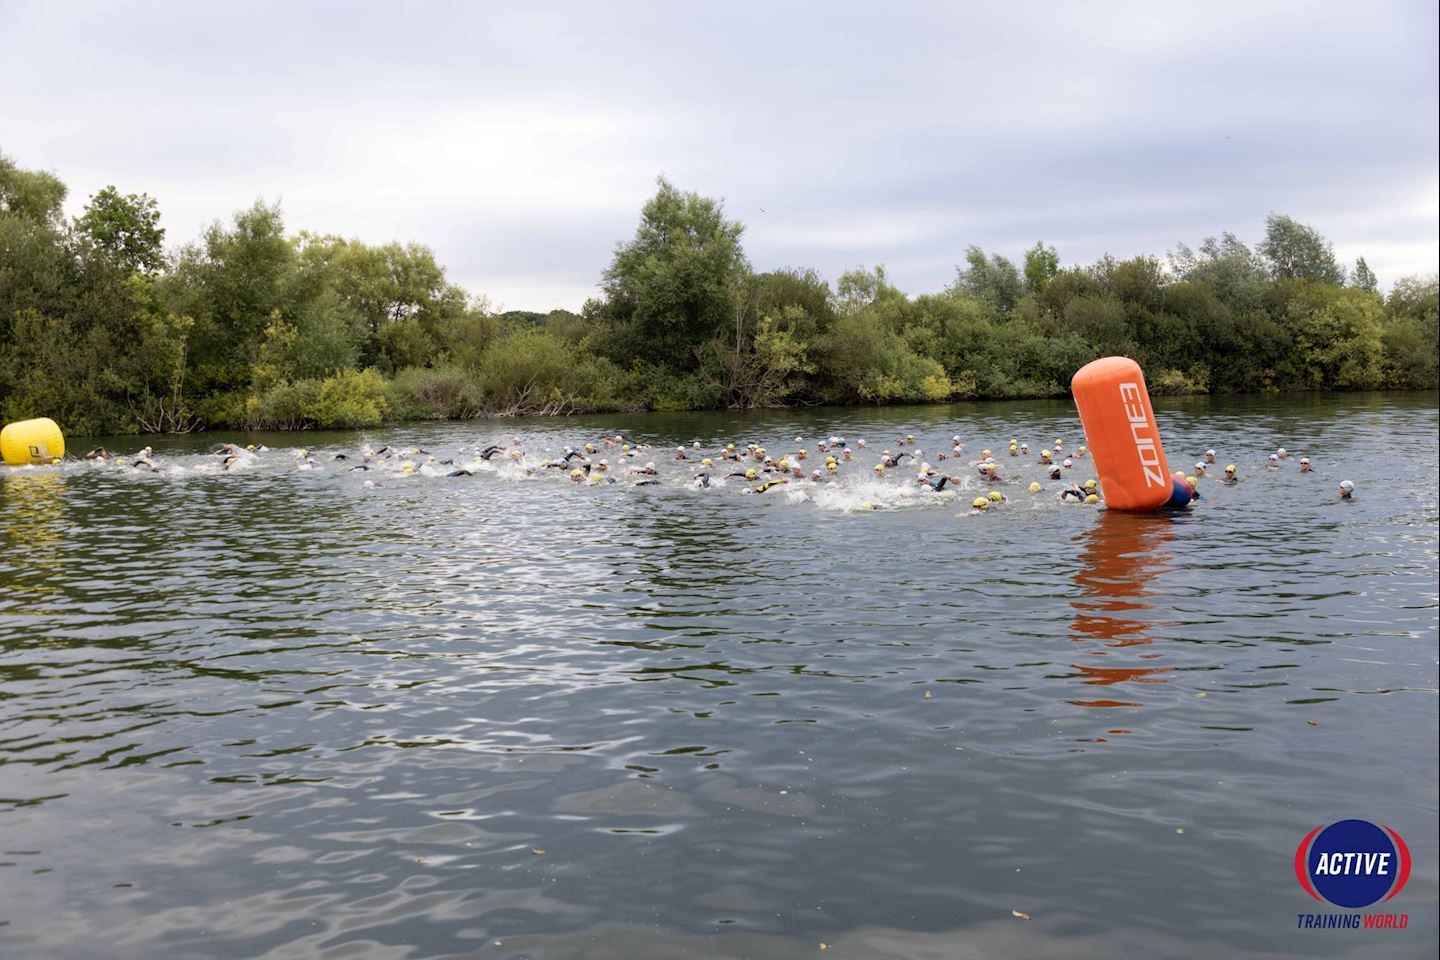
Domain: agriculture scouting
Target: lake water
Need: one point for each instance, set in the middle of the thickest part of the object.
(274, 712)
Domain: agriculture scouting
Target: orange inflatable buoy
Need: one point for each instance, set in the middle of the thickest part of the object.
(1120, 428)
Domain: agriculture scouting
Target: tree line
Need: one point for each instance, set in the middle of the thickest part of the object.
(248, 326)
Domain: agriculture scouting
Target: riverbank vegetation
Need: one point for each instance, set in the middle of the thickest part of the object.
(251, 326)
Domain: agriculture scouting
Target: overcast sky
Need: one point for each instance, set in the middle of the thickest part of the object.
(520, 140)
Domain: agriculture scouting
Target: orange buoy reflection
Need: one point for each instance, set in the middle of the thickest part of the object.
(1122, 554)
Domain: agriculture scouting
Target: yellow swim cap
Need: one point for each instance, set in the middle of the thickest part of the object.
(980, 503)
(879, 468)
(707, 462)
(249, 446)
(1230, 468)
(1081, 451)
(1092, 499)
(750, 473)
(577, 472)
(984, 453)
(625, 446)
(729, 446)
(783, 464)
(994, 496)
(1044, 454)
(867, 506)
(1190, 480)
(1090, 484)
(1034, 486)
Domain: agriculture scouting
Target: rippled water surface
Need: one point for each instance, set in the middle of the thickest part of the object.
(278, 712)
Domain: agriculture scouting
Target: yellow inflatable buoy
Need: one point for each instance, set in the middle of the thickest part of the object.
(31, 441)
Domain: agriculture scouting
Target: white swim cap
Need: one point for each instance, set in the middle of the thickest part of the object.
(1346, 485)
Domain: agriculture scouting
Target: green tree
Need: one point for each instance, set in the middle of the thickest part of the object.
(1041, 265)
(676, 284)
(33, 195)
(994, 280)
(1363, 278)
(125, 227)
(1297, 251)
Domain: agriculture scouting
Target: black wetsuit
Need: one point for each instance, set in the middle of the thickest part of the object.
(490, 451)
(938, 485)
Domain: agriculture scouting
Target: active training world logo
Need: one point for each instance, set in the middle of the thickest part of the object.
(1353, 864)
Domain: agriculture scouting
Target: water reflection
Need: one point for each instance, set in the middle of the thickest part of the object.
(1122, 555)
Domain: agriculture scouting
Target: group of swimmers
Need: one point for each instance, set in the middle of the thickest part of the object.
(832, 465)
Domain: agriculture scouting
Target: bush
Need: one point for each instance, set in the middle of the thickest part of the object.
(439, 393)
(352, 399)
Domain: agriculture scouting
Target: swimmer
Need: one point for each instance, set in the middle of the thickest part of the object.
(1067, 463)
(1081, 451)
(647, 482)
(650, 470)
(1194, 491)
(1200, 469)
(1034, 486)
(1281, 453)
(845, 455)
(1230, 479)
(577, 475)
(1025, 448)
(1272, 462)
(1346, 489)
(748, 474)
(145, 454)
(895, 460)
(995, 497)
(339, 456)
(1055, 473)
(1045, 457)
(1072, 494)
(1304, 464)
(1090, 485)
(98, 453)
(701, 481)
(1209, 456)
(937, 484)
(460, 472)
(979, 505)
(771, 484)
(817, 476)
(491, 450)
(679, 453)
